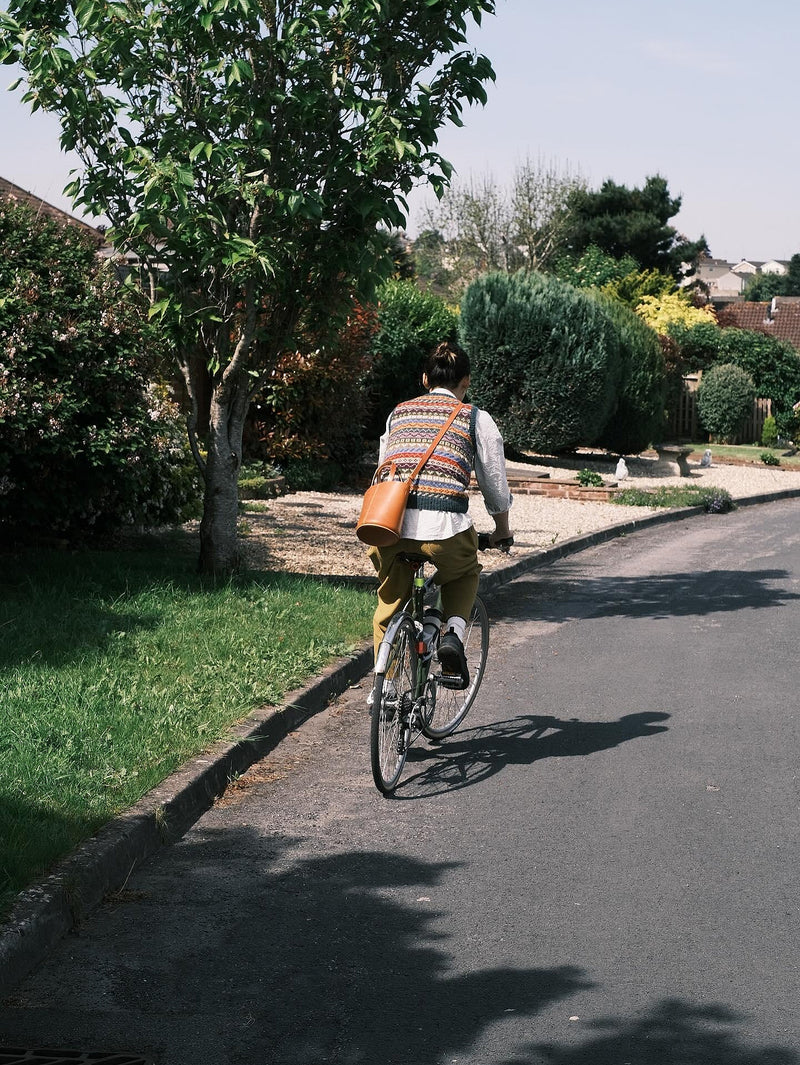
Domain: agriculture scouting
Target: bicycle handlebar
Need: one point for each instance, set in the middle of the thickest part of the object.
(485, 543)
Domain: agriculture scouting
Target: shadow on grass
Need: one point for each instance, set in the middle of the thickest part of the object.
(55, 606)
(29, 836)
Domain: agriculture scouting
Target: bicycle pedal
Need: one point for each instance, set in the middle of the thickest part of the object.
(452, 681)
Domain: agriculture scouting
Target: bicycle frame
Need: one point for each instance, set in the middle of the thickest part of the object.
(410, 696)
(413, 608)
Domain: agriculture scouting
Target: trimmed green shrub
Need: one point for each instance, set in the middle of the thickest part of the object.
(769, 432)
(589, 479)
(774, 366)
(638, 420)
(89, 438)
(313, 475)
(410, 324)
(545, 359)
(724, 399)
(769, 458)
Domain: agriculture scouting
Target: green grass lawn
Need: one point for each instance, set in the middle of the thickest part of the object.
(116, 667)
(748, 452)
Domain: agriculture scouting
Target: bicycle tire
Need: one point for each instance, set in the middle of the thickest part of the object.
(391, 703)
(451, 707)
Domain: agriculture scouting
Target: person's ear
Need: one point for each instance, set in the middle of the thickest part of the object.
(425, 381)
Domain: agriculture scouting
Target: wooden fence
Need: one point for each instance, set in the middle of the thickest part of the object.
(684, 424)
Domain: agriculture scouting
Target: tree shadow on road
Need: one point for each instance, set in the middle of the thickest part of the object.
(473, 755)
(558, 596)
(672, 1032)
(235, 950)
(342, 957)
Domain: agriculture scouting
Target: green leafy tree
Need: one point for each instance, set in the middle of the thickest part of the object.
(622, 221)
(430, 254)
(699, 344)
(89, 441)
(248, 152)
(773, 364)
(763, 287)
(724, 398)
(595, 269)
(546, 359)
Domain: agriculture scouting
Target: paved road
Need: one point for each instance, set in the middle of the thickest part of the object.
(600, 868)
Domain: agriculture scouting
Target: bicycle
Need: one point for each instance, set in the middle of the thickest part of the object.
(411, 694)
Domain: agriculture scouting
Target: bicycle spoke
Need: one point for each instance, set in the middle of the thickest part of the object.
(391, 708)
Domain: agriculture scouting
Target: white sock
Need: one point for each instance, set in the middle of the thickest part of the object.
(459, 626)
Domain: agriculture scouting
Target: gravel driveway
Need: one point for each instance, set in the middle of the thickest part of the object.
(314, 532)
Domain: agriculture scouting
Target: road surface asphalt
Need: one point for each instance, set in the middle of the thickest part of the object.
(599, 867)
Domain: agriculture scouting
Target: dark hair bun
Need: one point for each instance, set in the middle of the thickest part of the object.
(447, 365)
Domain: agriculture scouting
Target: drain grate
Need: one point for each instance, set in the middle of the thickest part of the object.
(21, 1056)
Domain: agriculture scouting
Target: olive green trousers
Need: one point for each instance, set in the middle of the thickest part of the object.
(458, 572)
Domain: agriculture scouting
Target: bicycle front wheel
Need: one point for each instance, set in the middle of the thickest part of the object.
(448, 708)
(392, 702)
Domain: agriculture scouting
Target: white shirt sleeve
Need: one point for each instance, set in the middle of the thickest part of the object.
(490, 464)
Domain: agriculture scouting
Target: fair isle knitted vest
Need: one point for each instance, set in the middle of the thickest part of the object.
(443, 481)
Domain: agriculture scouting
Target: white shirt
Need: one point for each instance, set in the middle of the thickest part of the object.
(490, 473)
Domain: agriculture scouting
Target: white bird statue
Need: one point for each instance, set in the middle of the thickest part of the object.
(706, 459)
(622, 470)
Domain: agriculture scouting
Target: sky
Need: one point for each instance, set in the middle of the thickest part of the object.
(706, 96)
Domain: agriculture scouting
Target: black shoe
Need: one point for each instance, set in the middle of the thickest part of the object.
(452, 657)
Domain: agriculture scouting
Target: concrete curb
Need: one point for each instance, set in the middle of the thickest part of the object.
(51, 908)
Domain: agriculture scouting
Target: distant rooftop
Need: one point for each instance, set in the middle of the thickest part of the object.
(779, 318)
(10, 191)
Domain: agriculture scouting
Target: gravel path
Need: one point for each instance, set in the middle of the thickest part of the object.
(313, 532)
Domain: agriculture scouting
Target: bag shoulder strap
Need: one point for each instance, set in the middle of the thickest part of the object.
(452, 417)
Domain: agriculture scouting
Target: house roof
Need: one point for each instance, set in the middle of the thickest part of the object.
(10, 191)
(779, 318)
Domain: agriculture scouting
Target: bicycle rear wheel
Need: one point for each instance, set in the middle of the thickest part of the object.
(391, 705)
(446, 708)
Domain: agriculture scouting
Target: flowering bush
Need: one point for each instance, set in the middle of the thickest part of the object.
(88, 440)
(312, 410)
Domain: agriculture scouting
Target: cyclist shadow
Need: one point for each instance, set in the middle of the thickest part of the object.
(474, 755)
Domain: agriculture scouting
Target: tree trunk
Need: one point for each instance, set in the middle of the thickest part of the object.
(219, 541)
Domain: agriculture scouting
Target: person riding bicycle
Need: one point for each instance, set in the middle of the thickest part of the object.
(437, 524)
